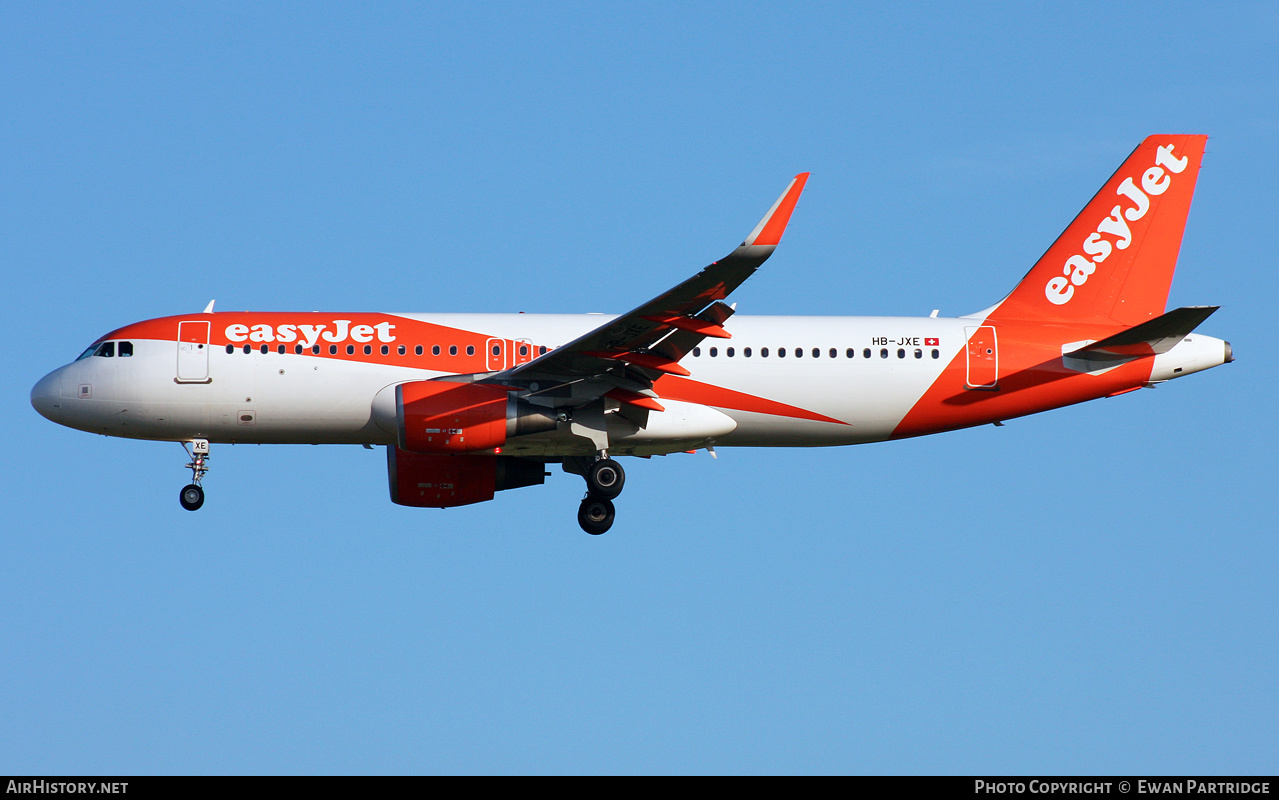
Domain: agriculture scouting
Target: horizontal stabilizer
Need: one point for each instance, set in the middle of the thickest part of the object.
(1152, 337)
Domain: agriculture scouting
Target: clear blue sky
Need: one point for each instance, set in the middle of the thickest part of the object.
(1090, 590)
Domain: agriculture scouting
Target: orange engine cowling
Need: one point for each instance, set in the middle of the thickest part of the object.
(444, 417)
(444, 481)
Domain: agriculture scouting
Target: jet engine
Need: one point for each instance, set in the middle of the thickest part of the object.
(443, 417)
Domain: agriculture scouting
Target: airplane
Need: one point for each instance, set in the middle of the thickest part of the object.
(468, 405)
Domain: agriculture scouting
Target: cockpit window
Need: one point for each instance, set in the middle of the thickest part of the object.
(107, 350)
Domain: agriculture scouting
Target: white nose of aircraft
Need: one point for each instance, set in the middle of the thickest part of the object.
(46, 396)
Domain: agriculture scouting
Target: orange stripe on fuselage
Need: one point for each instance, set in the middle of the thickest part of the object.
(690, 391)
(1032, 378)
(293, 328)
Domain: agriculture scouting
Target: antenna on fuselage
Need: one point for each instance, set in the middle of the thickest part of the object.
(209, 308)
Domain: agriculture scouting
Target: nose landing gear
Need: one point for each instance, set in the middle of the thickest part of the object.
(604, 481)
(192, 495)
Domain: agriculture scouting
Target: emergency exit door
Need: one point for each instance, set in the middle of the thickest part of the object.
(496, 349)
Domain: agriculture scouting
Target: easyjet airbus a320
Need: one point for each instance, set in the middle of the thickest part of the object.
(472, 404)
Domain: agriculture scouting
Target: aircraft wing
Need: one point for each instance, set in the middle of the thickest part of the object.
(649, 341)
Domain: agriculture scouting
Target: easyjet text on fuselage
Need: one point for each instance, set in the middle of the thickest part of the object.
(308, 335)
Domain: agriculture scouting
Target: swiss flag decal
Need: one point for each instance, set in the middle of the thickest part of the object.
(932, 343)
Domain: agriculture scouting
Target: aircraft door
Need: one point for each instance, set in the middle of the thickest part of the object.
(496, 350)
(523, 351)
(193, 351)
(983, 358)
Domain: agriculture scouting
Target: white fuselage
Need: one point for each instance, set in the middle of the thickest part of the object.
(779, 381)
(270, 397)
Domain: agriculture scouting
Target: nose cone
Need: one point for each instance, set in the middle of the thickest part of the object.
(46, 396)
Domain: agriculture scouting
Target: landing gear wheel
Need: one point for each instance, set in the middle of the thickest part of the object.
(192, 497)
(595, 515)
(605, 479)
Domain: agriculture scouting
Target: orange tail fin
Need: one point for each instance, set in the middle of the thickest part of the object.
(1114, 263)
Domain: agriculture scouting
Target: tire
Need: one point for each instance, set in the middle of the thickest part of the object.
(605, 479)
(191, 497)
(595, 515)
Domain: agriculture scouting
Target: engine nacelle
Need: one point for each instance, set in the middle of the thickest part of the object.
(444, 417)
(436, 481)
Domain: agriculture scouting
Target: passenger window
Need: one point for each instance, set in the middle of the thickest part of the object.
(936, 354)
(901, 352)
(402, 351)
(817, 353)
(729, 352)
(280, 349)
(883, 353)
(264, 349)
(849, 353)
(746, 351)
(866, 353)
(350, 349)
(248, 348)
(368, 349)
(333, 349)
(386, 350)
(470, 349)
(435, 350)
(230, 349)
(799, 352)
(541, 351)
(315, 349)
(452, 349)
(781, 352)
(417, 350)
(714, 352)
(126, 349)
(834, 353)
(763, 352)
(919, 353)
(697, 352)
(297, 349)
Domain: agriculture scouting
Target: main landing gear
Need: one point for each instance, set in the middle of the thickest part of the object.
(595, 515)
(192, 495)
(604, 481)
